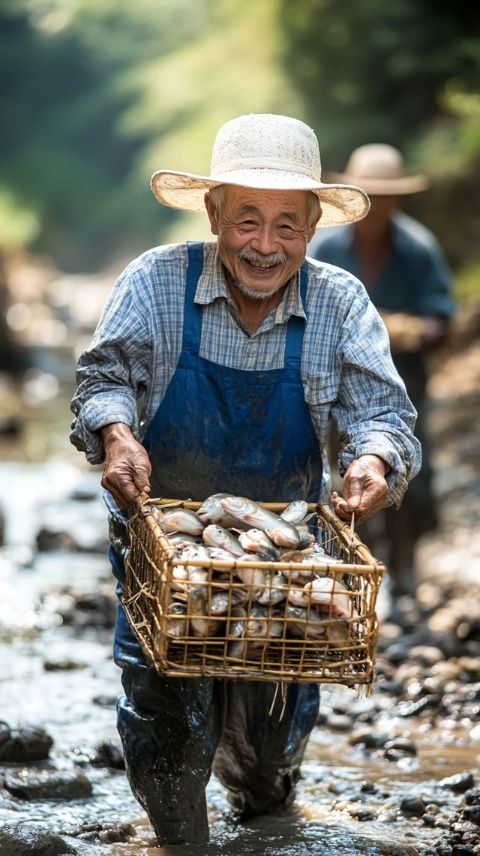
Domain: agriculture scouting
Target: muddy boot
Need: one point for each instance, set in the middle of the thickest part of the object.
(259, 756)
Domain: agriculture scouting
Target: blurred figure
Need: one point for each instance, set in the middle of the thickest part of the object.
(404, 270)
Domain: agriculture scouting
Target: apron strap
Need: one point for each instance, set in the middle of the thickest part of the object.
(192, 316)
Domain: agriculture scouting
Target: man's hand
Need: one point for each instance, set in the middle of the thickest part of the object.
(127, 467)
(364, 489)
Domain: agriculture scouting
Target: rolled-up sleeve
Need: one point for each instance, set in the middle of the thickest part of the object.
(373, 412)
(114, 372)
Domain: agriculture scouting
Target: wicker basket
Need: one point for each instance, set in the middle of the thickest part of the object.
(339, 651)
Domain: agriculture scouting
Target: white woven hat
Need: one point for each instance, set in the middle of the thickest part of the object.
(269, 152)
(379, 169)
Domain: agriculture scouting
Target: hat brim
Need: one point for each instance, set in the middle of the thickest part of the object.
(401, 186)
(341, 203)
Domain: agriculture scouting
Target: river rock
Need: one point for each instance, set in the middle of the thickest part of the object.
(472, 813)
(108, 753)
(399, 747)
(48, 785)
(459, 783)
(412, 804)
(26, 839)
(22, 745)
(369, 738)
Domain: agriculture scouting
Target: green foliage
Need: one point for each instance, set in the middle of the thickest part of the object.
(467, 284)
(103, 92)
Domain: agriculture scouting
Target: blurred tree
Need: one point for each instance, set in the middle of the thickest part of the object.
(374, 70)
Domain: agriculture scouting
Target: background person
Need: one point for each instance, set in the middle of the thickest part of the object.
(404, 270)
(217, 367)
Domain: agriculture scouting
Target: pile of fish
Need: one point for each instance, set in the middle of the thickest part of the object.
(248, 606)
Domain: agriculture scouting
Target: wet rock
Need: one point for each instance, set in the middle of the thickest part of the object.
(26, 839)
(105, 700)
(427, 655)
(413, 805)
(62, 665)
(339, 722)
(415, 707)
(369, 738)
(48, 540)
(48, 785)
(109, 754)
(4, 731)
(459, 783)
(472, 813)
(472, 796)
(399, 747)
(22, 745)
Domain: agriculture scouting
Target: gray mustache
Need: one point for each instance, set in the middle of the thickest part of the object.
(257, 259)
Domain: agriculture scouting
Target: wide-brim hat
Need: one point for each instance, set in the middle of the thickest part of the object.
(379, 170)
(264, 151)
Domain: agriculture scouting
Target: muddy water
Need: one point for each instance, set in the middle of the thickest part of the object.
(348, 799)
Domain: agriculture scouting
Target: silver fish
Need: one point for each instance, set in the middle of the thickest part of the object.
(220, 553)
(295, 512)
(282, 534)
(275, 590)
(216, 536)
(211, 511)
(329, 596)
(307, 538)
(254, 578)
(202, 624)
(305, 623)
(223, 602)
(180, 520)
(257, 541)
(181, 539)
(261, 625)
(177, 622)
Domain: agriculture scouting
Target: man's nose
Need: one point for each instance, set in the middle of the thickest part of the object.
(265, 241)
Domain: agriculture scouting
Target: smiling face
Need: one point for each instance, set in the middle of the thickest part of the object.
(262, 236)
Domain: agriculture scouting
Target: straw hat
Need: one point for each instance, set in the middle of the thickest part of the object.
(378, 169)
(268, 152)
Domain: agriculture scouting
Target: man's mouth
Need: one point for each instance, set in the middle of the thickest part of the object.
(262, 265)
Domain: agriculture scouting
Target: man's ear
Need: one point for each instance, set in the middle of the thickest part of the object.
(212, 214)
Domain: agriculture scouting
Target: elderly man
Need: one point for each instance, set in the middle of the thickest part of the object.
(406, 275)
(217, 367)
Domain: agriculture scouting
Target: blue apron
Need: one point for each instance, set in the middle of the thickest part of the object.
(217, 429)
(231, 430)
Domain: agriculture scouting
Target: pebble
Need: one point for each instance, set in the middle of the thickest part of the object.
(370, 739)
(26, 839)
(29, 784)
(21, 745)
(412, 805)
(459, 783)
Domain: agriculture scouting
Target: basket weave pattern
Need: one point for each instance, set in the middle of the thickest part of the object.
(333, 650)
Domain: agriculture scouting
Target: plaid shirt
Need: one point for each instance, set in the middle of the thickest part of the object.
(346, 366)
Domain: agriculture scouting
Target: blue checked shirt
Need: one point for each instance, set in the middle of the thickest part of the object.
(347, 369)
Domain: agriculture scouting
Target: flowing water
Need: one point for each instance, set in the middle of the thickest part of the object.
(348, 798)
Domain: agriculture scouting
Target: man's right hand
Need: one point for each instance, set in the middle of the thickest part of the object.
(127, 467)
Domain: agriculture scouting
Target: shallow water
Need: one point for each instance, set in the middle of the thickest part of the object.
(34, 585)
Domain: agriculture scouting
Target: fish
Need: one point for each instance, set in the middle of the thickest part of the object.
(305, 623)
(220, 553)
(329, 595)
(254, 578)
(201, 623)
(211, 511)
(297, 596)
(275, 589)
(257, 541)
(225, 601)
(295, 512)
(181, 539)
(260, 624)
(307, 538)
(177, 622)
(282, 534)
(217, 536)
(179, 520)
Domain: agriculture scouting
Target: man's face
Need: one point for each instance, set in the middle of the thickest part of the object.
(262, 237)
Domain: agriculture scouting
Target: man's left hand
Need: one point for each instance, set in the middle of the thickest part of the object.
(364, 489)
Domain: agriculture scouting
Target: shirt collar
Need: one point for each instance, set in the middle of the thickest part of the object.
(212, 286)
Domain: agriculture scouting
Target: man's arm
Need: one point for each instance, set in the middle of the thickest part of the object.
(114, 371)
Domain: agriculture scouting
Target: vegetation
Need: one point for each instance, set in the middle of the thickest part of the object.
(103, 92)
